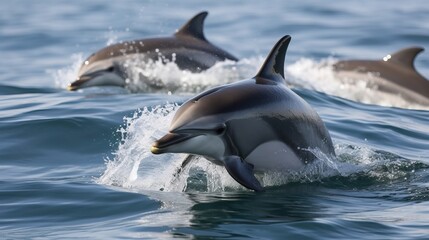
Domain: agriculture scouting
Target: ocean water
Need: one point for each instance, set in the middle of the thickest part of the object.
(77, 164)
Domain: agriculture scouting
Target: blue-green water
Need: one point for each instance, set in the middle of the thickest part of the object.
(77, 165)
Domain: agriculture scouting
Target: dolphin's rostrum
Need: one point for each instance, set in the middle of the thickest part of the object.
(188, 48)
(252, 125)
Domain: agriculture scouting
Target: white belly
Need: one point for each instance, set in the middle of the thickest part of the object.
(274, 155)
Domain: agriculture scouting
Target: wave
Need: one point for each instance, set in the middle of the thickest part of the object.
(64, 76)
(11, 90)
(134, 168)
(320, 76)
(304, 73)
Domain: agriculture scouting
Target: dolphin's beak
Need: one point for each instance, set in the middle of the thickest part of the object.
(162, 145)
(104, 77)
(79, 82)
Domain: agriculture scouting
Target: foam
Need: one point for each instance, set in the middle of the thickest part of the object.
(308, 73)
(168, 77)
(320, 76)
(135, 168)
(64, 76)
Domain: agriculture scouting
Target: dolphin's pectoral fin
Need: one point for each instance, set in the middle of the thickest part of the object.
(177, 175)
(242, 172)
(187, 160)
(185, 163)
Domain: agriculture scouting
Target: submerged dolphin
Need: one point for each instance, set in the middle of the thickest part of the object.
(395, 73)
(251, 125)
(187, 47)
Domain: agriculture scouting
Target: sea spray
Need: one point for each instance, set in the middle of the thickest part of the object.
(320, 76)
(64, 76)
(163, 76)
(133, 166)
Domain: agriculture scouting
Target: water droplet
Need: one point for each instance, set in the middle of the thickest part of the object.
(386, 58)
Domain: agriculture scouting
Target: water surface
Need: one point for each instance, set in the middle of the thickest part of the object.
(77, 164)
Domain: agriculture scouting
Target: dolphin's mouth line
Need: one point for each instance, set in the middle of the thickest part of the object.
(81, 80)
(168, 140)
(161, 145)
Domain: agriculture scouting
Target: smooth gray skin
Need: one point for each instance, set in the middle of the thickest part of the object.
(188, 46)
(395, 73)
(228, 123)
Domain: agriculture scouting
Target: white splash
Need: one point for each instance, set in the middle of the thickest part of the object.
(165, 76)
(64, 76)
(320, 76)
(138, 133)
(135, 168)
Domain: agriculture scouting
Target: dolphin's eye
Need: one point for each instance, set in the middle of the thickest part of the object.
(110, 69)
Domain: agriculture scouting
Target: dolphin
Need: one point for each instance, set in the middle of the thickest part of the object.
(250, 126)
(188, 48)
(395, 73)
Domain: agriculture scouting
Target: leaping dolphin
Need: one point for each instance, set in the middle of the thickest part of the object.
(395, 73)
(188, 48)
(252, 125)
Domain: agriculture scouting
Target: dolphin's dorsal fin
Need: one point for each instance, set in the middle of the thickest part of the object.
(273, 67)
(404, 57)
(194, 27)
